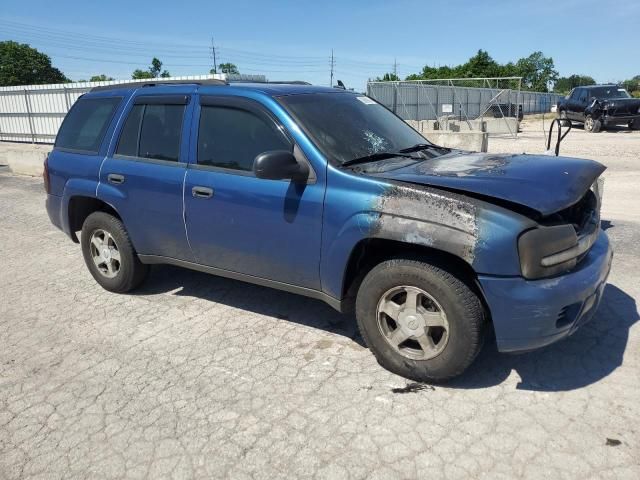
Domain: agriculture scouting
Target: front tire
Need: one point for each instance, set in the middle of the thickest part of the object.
(634, 124)
(109, 254)
(419, 320)
(591, 125)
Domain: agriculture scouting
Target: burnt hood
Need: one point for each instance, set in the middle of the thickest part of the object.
(543, 183)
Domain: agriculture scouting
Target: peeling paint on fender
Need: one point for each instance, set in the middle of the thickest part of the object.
(429, 217)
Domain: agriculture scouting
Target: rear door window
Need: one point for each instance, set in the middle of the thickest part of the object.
(152, 131)
(86, 123)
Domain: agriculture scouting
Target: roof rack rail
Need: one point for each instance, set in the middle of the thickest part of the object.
(153, 83)
(271, 82)
(288, 82)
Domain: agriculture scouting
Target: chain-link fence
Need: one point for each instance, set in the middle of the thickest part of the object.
(495, 105)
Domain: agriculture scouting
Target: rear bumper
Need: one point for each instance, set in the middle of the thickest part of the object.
(529, 314)
(53, 204)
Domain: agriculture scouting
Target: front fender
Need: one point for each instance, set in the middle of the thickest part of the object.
(481, 234)
(594, 109)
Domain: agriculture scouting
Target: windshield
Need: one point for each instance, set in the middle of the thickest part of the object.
(609, 92)
(345, 126)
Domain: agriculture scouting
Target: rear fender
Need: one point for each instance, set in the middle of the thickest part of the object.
(75, 187)
(78, 187)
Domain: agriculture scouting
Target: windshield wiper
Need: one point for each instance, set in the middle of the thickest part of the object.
(421, 146)
(375, 157)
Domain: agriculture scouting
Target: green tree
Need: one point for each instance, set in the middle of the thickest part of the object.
(100, 78)
(22, 65)
(140, 74)
(388, 77)
(633, 85)
(566, 84)
(536, 69)
(537, 72)
(154, 71)
(480, 65)
(228, 68)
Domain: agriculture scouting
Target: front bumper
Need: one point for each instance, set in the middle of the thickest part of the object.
(619, 119)
(529, 314)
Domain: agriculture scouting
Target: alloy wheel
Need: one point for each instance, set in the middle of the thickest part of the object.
(105, 253)
(588, 123)
(413, 322)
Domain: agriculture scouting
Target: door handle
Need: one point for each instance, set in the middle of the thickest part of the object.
(202, 192)
(115, 178)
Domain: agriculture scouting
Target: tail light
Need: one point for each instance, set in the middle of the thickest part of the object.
(45, 175)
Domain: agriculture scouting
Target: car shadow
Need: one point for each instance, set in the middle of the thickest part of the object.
(609, 129)
(589, 355)
(606, 225)
(253, 298)
(586, 357)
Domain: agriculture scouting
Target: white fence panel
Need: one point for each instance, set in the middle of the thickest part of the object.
(34, 113)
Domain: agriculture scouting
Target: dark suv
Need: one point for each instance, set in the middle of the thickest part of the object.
(600, 106)
(326, 193)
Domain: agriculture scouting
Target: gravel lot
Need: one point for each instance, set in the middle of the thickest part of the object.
(196, 376)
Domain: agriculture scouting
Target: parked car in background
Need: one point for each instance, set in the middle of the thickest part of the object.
(600, 106)
(326, 193)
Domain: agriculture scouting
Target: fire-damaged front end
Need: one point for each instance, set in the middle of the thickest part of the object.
(565, 261)
(618, 111)
(528, 226)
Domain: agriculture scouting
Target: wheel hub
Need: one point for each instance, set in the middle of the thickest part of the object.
(413, 322)
(105, 253)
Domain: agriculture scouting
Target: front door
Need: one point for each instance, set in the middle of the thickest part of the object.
(240, 223)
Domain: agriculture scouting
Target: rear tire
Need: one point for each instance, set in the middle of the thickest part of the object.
(433, 342)
(634, 124)
(109, 254)
(592, 125)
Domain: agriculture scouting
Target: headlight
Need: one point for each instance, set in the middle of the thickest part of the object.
(543, 251)
(546, 251)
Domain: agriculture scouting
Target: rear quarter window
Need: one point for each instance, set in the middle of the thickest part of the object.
(86, 123)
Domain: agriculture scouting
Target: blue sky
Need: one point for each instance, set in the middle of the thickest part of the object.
(293, 39)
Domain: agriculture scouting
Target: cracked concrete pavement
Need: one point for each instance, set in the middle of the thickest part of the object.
(197, 376)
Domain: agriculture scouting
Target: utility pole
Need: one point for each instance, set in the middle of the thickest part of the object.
(395, 69)
(332, 65)
(213, 56)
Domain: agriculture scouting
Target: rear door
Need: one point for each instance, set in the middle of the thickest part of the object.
(240, 223)
(142, 176)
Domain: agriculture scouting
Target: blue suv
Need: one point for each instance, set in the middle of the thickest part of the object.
(326, 193)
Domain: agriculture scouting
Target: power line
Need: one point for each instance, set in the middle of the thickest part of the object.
(128, 51)
(71, 39)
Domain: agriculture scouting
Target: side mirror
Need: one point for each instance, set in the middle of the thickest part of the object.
(280, 165)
